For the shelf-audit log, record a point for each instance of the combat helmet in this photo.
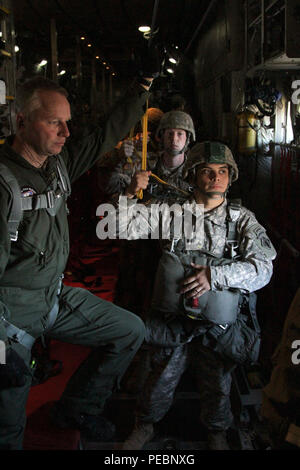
(177, 120)
(211, 152)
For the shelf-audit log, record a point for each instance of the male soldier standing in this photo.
(33, 300)
(173, 131)
(233, 259)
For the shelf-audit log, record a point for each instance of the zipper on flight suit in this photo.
(42, 258)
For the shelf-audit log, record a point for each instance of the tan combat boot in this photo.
(140, 435)
(217, 440)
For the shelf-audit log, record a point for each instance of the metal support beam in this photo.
(263, 26)
(53, 34)
(154, 14)
(93, 87)
(110, 90)
(103, 90)
(78, 63)
(203, 19)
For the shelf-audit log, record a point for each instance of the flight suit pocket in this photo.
(23, 305)
(10, 296)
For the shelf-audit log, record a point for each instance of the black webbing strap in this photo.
(46, 200)
(15, 211)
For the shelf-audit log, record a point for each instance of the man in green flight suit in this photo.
(33, 299)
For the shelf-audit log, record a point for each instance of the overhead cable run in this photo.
(154, 14)
(200, 26)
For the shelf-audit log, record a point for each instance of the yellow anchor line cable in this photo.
(169, 184)
(144, 149)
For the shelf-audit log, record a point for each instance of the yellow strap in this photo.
(145, 143)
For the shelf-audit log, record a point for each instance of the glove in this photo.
(149, 62)
(13, 373)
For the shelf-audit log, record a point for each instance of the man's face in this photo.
(174, 141)
(46, 129)
(212, 179)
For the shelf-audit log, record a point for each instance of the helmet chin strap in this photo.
(187, 142)
(174, 153)
(213, 194)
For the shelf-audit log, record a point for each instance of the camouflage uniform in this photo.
(139, 258)
(114, 175)
(175, 179)
(116, 169)
(176, 340)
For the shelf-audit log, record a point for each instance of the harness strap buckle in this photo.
(52, 315)
(224, 327)
(232, 248)
(216, 330)
(18, 335)
(14, 236)
(50, 199)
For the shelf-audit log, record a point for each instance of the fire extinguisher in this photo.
(246, 133)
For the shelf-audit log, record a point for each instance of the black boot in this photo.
(92, 427)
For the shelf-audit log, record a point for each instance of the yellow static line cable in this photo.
(169, 184)
(145, 143)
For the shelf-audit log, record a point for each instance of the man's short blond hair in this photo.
(28, 93)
